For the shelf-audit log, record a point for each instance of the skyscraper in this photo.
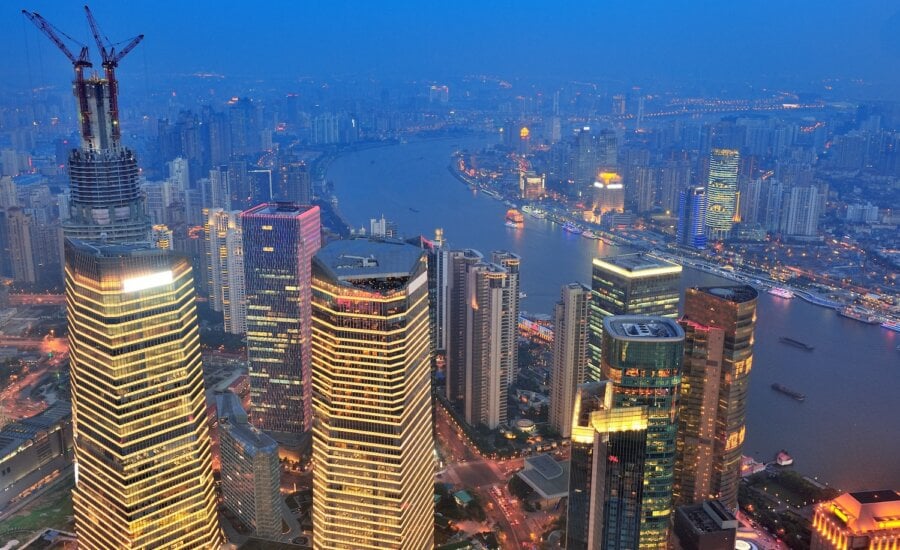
(105, 195)
(629, 284)
(570, 322)
(226, 268)
(721, 192)
(372, 439)
(864, 520)
(718, 323)
(607, 471)
(144, 470)
(250, 469)
(510, 322)
(458, 265)
(280, 240)
(691, 228)
(642, 358)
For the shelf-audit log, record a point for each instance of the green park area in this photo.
(52, 510)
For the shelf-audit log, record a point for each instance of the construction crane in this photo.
(79, 63)
(111, 59)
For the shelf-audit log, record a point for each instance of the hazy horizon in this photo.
(757, 44)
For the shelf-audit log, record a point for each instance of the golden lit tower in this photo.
(371, 360)
(721, 192)
(142, 448)
(718, 323)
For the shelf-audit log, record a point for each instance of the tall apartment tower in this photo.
(105, 201)
(372, 439)
(142, 446)
(629, 284)
(226, 268)
(458, 305)
(570, 354)
(721, 192)
(642, 358)
(511, 263)
(250, 469)
(607, 471)
(718, 324)
(691, 228)
(280, 240)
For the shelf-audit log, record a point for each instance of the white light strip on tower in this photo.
(147, 281)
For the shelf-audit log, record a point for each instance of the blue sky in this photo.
(628, 41)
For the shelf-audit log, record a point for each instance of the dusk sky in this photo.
(758, 42)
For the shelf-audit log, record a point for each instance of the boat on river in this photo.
(570, 227)
(789, 392)
(858, 314)
(796, 343)
(781, 292)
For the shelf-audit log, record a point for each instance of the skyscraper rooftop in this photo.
(357, 259)
(638, 264)
(641, 327)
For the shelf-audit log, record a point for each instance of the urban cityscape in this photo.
(519, 276)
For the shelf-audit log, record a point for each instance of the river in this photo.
(846, 433)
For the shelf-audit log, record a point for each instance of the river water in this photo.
(846, 433)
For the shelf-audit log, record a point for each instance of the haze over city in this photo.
(515, 275)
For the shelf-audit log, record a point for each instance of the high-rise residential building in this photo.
(280, 240)
(629, 284)
(584, 161)
(718, 323)
(642, 358)
(106, 203)
(803, 211)
(250, 470)
(142, 445)
(607, 471)
(570, 354)
(510, 321)
(226, 268)
(721, 192)
(459, 262)
(372, 438)
(294, 183)
(489, 354)
(19, 240)
(867, 520)
(691, 228)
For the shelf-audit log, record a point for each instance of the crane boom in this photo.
(78, 63)
(48, 30)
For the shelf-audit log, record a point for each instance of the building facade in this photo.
(225, 250)
(691, 228)
(250, 469)
(719, 325)
(629, 284)
(280, 240)
(642, 358)
(372, 439)
(607, 471)
(570, 354)
(721, 192)
(866, 520)
(142, 446)
(105, 200)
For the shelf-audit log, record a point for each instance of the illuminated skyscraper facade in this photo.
(570, 336)
(691, 228)
(718, 323)
(142, 447)
(642, 358)
(629, 284)
(226, 268)
(607, 471)
(280, 240)
(721, 192)
(372, 438)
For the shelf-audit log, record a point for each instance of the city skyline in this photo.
(263, 342)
